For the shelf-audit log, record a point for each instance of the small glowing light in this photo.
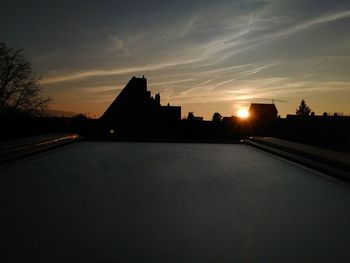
(111, 131)
(243, 113)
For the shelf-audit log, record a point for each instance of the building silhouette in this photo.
(263, 111)
(136, 103)
(262, 118)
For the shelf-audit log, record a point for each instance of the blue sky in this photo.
(203, 55)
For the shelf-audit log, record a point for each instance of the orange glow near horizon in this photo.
(243, 113)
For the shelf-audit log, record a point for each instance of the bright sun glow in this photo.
(243, 113)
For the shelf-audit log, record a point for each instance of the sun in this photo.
(243, 113)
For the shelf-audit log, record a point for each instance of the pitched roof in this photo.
(263, 107)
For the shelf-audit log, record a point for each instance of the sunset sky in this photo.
(206, 56)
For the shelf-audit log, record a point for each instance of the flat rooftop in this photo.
(158, 202)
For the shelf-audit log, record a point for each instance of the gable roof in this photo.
(263, 107)
(130, 101)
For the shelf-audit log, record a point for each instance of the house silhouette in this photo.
(262, 111)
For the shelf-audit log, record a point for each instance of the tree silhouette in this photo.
(20, 91)
(303, 109)
(217, 117)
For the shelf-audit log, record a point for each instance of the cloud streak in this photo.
(121, 71)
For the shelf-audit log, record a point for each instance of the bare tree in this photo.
(20, 90)
(303, 109)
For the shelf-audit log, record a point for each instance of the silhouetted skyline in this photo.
(207, 56)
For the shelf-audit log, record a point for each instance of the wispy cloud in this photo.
(170, 82)
(121, 71)
(205, 82)
(180, 31)
(321, 20)
(308, 24)
(257, 69)
(118, 45)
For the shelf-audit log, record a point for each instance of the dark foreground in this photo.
(112, 202)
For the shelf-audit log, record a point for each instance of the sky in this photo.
(206, 56)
